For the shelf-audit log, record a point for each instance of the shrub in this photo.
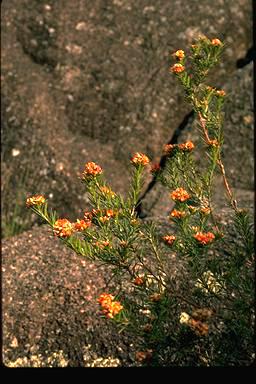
(186, 294)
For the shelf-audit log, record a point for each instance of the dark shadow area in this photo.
(174, 140)
(250, 56)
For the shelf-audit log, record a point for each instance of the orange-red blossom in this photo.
(81, 225)
(169, 239)
(221, 92)
(92, 169)
(140, 159)
(106, 215)
(62, 228)
(139, 281)
(34, 200)
(187, 146)
(176, 213)
(179, 54)
(216, 42)
(110, 307)
(204, 238)
(180, 194)
(177, 68)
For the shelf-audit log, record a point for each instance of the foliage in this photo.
(187, 294)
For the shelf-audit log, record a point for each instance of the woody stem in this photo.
(220, 164)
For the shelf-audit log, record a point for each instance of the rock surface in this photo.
(89, 81)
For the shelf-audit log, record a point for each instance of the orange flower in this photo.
(180, 194)
(140, 159)
(204, 238)
(81, 225)
(221, 92)
(92, 169)
(34, 200)
(138, 281)
(216, 42)
(177, 68)
(213, 142)
(110, 307)
(180, 54)
(169, 239)
(62, 228)
(169, 147)
(105, 300)
(104, 219)
(206, 210)
(115, 308)
(176, 213)
(108, 214)
(188, 146)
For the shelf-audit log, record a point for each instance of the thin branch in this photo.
(220, 164)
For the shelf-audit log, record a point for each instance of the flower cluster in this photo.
(177, 68)
(176, 213)
(107, 215)
(221, 92)
(180, 194)
(213, 143)
(216, 42)
(205, 210)
(110, 307)
(180, 54)
(204, 238)
(140, 159)
(187, 146)
(81, 225)
(34, 200)
(139, 281)
(169, 239)
(104, 215)
(92, 169)
(62, 228)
